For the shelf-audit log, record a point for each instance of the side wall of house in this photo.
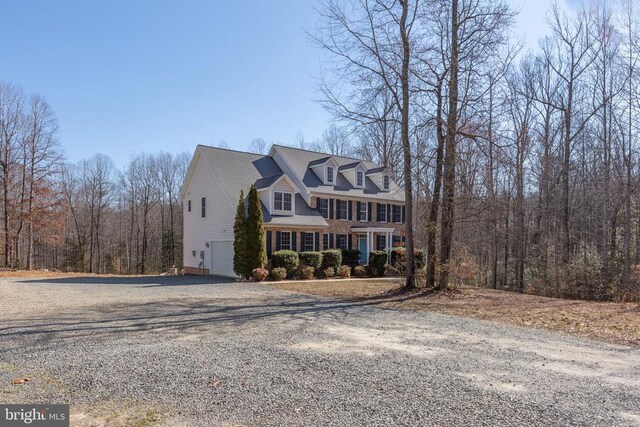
(216, 225)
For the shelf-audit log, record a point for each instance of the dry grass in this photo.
(606, 321)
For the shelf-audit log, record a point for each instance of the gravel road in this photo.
(185, 351)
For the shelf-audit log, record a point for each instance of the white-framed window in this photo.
(343, 208)
(341, 241)
(309, 243)
(285, 240)
(330, 175)
(282, 201)
(325, 241)
(382, 212)
(323, 207)
(386, 182)
(397, 213)
(359, 179)
(364, 211)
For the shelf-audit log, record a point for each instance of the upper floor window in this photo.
(282, 201)
(323, 207)
(189, 206)
(204, 207)
(386, 181)
(359, 179)
(382, 212)
(330, 175)
(342, 211)
(397, 213)
(363, 214)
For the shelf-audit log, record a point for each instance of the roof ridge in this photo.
(232, 150)
(321, 152)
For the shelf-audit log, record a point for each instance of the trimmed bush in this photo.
(331, 258)
(344, 271)
(311, 259)
(278, 273)
(306, 273)
(351, 257)
(378, 262)
(286, 259)
(259, 274)
(329, 272)
(359, 271)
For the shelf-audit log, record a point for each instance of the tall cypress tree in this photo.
(240, 254)
(256, 248)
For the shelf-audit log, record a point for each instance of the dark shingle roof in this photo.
(304, 216)
(300, 160)
(268, 181)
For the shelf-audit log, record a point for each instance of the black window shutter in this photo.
(330, 208)
(358, 211)
(294, 243)
(349, 241)
(403, 213)
(278, 240)
(318, 202)
(317, 242)
(350, 209)
(331, 240)
(369, 209)
(302, 233)
(337, 201)
(268, 243)
(389, 219)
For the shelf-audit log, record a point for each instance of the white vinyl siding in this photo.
(217, 225)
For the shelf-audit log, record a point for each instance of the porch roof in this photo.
(372, 229)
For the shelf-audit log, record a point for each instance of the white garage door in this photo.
(222, 259)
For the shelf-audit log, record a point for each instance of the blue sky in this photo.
(128, 76)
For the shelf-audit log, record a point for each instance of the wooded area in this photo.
(523, 165)
(88, 216)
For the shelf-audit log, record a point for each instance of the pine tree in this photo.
(240, 258)
(255, 239)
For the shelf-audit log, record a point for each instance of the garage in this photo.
(221, 262)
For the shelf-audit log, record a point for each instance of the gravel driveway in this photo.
(185, 351)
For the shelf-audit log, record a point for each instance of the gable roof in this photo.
(237, 170)
(300, 162)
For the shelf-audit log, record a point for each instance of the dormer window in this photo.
(359, 179)
(386, 181)
(329, 174)
(282, 201)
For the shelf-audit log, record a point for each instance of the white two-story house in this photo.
(310, 201)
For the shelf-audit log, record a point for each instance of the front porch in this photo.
(369, 239)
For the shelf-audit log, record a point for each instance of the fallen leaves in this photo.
(21, 380)
(215, 384)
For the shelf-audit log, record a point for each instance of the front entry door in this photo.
(362, 247)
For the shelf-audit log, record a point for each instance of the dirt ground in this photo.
(607, 321)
